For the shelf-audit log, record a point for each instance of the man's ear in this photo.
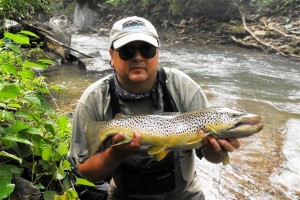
(111, 52)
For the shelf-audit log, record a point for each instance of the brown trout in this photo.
(175, 131)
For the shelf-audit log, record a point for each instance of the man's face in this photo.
(135, 63)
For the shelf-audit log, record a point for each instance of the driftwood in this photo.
(269, 47)
(247, 44)
(256, 38)
(279, 31)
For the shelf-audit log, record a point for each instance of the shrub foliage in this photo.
(34, 138)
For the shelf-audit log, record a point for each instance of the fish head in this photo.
(230, 123)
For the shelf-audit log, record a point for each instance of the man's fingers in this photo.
(137, 138)
(117, 138)
(234, 142)
(214, 143)
(204, 140)
(230, 144)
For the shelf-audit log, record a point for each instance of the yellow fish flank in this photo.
(174, 132)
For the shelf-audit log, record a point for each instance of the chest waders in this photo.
(138, 174)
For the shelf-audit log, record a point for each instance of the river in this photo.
(267, 165)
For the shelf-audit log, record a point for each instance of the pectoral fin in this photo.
(161, 155)
(155, 149)
(125, 141)
(212, 128)
(195, 140)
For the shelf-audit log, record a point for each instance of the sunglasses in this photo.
(128, 52)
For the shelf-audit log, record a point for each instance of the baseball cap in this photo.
(132, 29)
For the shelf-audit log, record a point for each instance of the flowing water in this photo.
(267, 165)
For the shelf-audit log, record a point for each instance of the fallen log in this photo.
(48, 36)
(66, 46)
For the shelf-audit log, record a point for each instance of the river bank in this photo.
(276, 31)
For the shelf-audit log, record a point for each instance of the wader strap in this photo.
(166, 96)
(115, 105)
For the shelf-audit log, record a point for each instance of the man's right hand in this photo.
(124, 150)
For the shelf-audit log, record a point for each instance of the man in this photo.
(139, 86)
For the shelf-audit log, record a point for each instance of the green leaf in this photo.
(29, 33)
(49, 127)
(9, 91)
(17, 38)
(34, 64)
(33, 98)
(6, 172)
(7, 68)
(27, 74)
(60, 174)
(7, 189)
(3, 153)
(62, 125)
(16, 127)
(72, 194)
(23, 115)
(7, 115)
(43, 90)
(14, 48)
(45, 61)
(67, 165)
(81, 181)
(34, 131)
(47, 154)
(55, 87)
(13, 105)
(49, 195)
(16, 138)
(63, 148)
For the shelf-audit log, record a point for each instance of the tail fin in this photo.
(93, 136)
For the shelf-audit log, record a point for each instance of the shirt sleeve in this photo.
(187, 95)
(93, 105)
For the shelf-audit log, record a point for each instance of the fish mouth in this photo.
(245, 126)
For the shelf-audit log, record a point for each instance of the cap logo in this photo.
(134, 25)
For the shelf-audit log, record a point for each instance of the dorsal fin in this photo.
(119, 116)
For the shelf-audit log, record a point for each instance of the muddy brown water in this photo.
(267, 165)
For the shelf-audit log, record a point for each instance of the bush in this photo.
(34, 138)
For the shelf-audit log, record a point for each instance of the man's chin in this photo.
(138, 75)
